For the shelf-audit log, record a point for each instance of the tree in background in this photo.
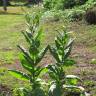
(5, 5)
(1, 2)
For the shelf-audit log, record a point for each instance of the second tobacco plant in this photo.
(60, 81)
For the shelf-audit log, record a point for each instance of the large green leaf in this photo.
(29, 35)
(54, 53)
(26, 37)
(57, 43)
(67, 52)
(52, 68)
(69, 62)
(69, 43)
(53, 72)
(28, 18)
(33, 50)
(26, 54)
(41, 54)
(19, 75)
(25, 63)
(38, 71)
(74, 87)
(73, 77)
(38, 35)
(59, 39)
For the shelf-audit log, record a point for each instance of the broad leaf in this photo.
(26, 54)
(25, 63)
(38, 71)
(38, 35)
(72, 77)
(54, 53)
(19, 74)
(41, 54)
(69, 43)
(74, 87)
(67, 52)
(57, 43)
(26, 37)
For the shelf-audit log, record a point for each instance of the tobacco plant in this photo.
(31, 57)
(61, 81)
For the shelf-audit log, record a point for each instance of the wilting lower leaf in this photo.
(72, 79)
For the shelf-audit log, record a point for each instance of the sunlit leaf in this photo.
(19, 75)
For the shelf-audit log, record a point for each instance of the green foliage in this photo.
(62, 4)
(72, 3)
(60, 81)
(30, 58)
(47, 4)
(74, 15)
(78, 12)
(53, 4)
(63, 47)
(69, 3)
(80, 2)
(72, 10)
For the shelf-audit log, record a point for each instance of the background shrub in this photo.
(62, 4)
(47, 4)
(90, 16)
(69, 3)
(80, 2)
(58, 4)
(75, 15)
(53, 4)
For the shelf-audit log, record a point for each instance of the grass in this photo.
(11, 25)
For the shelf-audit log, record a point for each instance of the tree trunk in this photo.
(5, 5)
